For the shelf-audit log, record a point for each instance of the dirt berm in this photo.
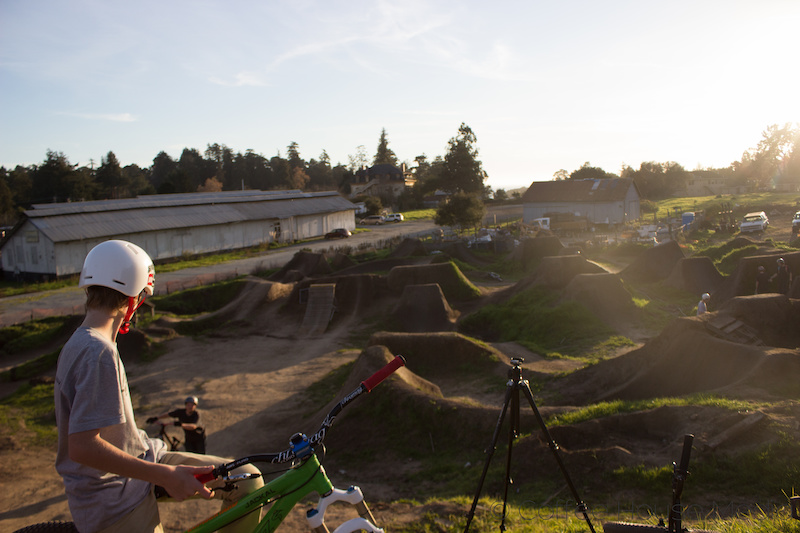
(686, 358)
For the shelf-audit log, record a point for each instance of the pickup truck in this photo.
(756, 221)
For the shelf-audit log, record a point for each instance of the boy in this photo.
(108, 465)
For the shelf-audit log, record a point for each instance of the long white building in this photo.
(52, 240)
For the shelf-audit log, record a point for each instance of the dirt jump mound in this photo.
(533, 250)
(384, 265)
(557, 271)
(407, 415)
(605, 296)
(774, 317)
(454, 285)
(696, 275)
(354, 294)
(686, 359)
(424, 308)
(654, 264)
(438, 356)
(306, 264)
(460, 251)
(254, 301)
(743, 280)
(408, 247)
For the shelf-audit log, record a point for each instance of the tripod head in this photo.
(515, 372)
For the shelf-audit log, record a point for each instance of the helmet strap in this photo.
(133, 304)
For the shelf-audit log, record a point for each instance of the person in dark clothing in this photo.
(188, 419)
(762, 281)
(783, 277)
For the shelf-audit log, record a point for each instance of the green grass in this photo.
(742, 203)
(615, 407)
(419, 214)
(29, 335)
(28, 416)
(535, 319)
(197, 300)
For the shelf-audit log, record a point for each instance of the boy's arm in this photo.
(89, 449)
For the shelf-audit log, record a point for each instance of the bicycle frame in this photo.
(285, 492)
(306, 476)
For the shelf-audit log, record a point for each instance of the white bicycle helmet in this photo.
(124, 267)
(706, 296)
(119, 265)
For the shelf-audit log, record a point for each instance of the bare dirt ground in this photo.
(251, 380)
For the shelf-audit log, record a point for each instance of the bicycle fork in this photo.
(353, 496)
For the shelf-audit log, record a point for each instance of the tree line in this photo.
(775, 161)
(219, 168)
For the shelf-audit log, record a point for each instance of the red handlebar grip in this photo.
(205, 478)
(372, 381)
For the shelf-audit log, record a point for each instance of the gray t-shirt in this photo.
(91, 392)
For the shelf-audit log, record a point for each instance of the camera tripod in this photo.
(515, 385)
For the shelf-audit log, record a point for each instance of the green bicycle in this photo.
(305, 476)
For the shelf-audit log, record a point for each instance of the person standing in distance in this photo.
(109, 466)
(762, 281)
(702, 305)
(783, 277)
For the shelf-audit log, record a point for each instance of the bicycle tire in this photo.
(55, 526)
(627, 527)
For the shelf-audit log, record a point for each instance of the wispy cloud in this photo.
(108, 117)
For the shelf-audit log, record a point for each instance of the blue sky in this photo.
(544, 85)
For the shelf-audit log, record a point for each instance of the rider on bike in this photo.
(108, 465)
(188, 419)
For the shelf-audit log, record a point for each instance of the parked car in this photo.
(373, 220)
(796, 222)
(338, 233)
(756, 221)
(394, 217)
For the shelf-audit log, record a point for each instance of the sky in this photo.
(544, 86)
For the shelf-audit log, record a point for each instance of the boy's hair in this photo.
(99, 297)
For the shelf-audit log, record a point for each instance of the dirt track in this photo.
(257, 387)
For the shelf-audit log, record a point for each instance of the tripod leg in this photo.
(554, 448)
(513, 433)
(489, 453)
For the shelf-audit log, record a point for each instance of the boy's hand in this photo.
(183, 484)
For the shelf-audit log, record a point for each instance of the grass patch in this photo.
(534, 319)
(32, 368)
(616, 407)
(198, 300)
(29, 335)
(326, 389)
(28, 415)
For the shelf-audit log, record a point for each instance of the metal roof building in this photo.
(52, 240)
(600, 201)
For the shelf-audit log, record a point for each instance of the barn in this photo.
(52, 240)
(612, 201)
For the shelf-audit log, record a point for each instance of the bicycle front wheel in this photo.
(49, 527)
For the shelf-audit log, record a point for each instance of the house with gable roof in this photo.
(382, 180)
(613, 201)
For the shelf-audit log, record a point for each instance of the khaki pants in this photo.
(145, 519)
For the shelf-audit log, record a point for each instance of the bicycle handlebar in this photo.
(301, 446)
